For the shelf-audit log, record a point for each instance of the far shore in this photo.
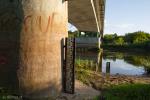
(125, 48)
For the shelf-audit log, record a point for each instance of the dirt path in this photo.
(82, 92)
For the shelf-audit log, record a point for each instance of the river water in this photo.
(126, 63)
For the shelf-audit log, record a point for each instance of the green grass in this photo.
(9, 94)
(97, 98)
(82, 75)
(128, 92)
(83, 69)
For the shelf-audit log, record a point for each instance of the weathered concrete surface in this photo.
(30, 38)
(44, 26)
(87, 15)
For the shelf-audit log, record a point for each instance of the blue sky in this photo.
(123, 16)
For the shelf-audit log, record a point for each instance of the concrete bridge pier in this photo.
(44, 26)
(33, 30)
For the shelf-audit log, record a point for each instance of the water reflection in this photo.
(126, 63)
(89, 61)
(121, 67)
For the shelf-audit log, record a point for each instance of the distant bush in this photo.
(137, 39)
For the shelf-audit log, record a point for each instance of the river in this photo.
(126, 63)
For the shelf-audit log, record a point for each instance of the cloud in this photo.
(125, 26)
(120, 28)
(122, 25)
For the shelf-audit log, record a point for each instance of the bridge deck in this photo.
(87, 15)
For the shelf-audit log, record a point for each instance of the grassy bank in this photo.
(117, 87)
(128, 92)
(9, 94)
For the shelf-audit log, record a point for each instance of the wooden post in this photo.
(108, 67)
(107, 70)
(31, 31)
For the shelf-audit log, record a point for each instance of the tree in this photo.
(119, 41)
(108, 38)
(91, 34)
(137, 37)
(140, 37)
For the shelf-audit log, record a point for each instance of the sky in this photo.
(71, 27)
(124, 16)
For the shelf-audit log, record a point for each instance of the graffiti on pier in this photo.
(32, 20)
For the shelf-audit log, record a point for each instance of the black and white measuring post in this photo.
(69, 66)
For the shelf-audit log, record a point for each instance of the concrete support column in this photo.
(44, 26)
(34, 29)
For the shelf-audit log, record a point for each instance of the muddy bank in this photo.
(102, 81)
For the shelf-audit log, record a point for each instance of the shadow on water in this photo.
(11, 21)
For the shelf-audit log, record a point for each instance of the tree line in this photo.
(134, 39)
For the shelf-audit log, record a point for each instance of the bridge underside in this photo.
(87, 15)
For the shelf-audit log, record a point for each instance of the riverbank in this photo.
(106, 83)
(91, 68)
(102, 81)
